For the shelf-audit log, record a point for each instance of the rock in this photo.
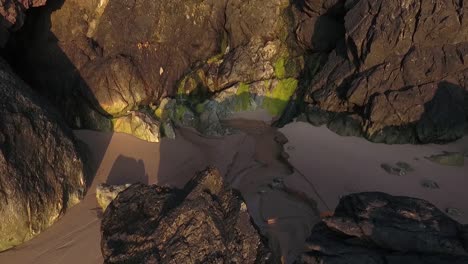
(168, 48)
(407, 85)
(203, 223)
(206, 48)
(138, 124)
(105, 193)
(380, 228)
(319, 23)
(448, 159)
(455, 212)
(168, 130)
(41, 172)
(430, 184)
(281, 139)
(12, 16)
(400, 168)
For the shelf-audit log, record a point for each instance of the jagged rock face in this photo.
(41, 173)
(380, 228)
(115, 56)
(401, 67)
(12, 16)
(119, 56)
(396, 71)
(203, 223)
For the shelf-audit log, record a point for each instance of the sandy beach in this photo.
(325, 166)
(338, 166)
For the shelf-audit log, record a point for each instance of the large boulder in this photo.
(400, 70)
(206, 222)
(41, 173)
(379, 228)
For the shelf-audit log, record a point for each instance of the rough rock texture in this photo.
(400, 68)
(396, 71)
(119, 56)
(383, 229)
(12, 16)
(141, 125)
(41, 173)
(203, 223)
(105, 193)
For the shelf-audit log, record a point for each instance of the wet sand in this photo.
(337, 166)
(281, 199)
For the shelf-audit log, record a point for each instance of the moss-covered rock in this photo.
(448, 159)
(276, 100)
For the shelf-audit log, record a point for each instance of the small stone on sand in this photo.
(453, 212)
(429, 184)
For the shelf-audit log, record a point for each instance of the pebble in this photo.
(453, 211)
(429, 184)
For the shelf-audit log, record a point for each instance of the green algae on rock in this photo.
(276, 100)
(242, 98)
(448, 159)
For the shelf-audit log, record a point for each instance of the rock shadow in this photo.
(127, 170)
(328, 34)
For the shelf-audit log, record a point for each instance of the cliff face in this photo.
(399, 73)
(119, 57)
(41, 172)
(392, 72)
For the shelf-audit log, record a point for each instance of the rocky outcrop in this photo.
(141, 125)
(395, 71)
(206, 222)
(115, 57)
(41, 173)
(399, 71)
(383, 229)
(12, 16)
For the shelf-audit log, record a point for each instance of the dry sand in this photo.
(326, 166)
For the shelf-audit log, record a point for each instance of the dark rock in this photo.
(12, 16)
(430, 184)
(203, 223)
(401, 68)
(41, 173)
(346, 125)
(380, 228)
(400, 168)
(319, 23)
(455, 212)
